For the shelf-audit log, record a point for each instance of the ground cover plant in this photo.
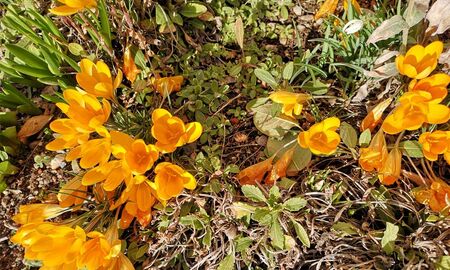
(224, 134)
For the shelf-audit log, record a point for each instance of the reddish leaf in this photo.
(255, 173)
(33, 125)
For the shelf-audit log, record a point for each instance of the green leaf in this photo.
(316, 87)
(286, 183)
(266, 77)
(389, 237)
(344, 228)
(242, 243)
(294, 204)
(8, 119)
(443, 263)
(274, 195)
(193, 10)
(288, 71)
(253, 193)
(348, 135)
(104, 22)
(263, 216)
(411, 148)
(33, 72)
(365, 138)
(276, 234)
(6, 168)
(227, 263)
(270, 125)
(75, 49)
(241, 209)
(192, 221)
(302, 234)
(206, 241)
(161, 16)
(3, 185)
(27, 57)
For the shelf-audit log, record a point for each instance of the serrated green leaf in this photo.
(241, 209)
(266, 77)
(294, 204)
(302, 234)
(243, 243)
(253, 193)
(263, 216)
(227, 263)
(348, 135)
(274, 194)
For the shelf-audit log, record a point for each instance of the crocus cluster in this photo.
(417, 108)
(60, 246)
(116, 169)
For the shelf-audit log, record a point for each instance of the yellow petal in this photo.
(64, 10)
(438, 114)
(193, 131)
(159, 114)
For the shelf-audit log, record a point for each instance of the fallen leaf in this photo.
(255, 173)
(239, 31)
(416, 11)
(387, 29)
(129, 66)
(373, 118)
(166, 85)
(439, 17)
(32, 126)
(280, 167)
(327, 8)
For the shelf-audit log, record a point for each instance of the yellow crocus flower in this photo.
(419, 61)
(292, 102)
(170, 180)
(96, 79)
(321, 138)
(434, 88)
(171, 132)
(56, 246)
(413, 111)
(435, 143)
(37, 212)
